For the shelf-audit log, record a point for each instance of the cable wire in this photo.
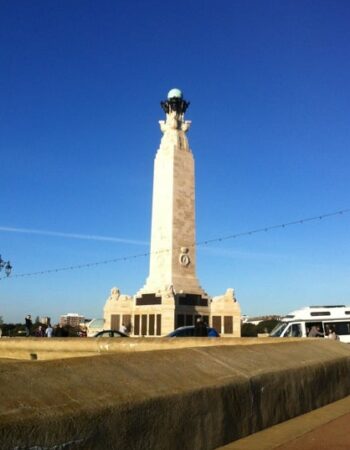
(205, 242)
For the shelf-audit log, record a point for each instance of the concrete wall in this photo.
(188, 398)
(58, 348)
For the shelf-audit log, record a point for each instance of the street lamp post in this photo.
(6, 265)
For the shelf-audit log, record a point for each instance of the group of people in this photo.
(40, 331)
(48, 331)
(315, 331)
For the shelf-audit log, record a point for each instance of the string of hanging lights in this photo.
(197, 244)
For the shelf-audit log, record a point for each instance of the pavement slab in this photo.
(324, 428)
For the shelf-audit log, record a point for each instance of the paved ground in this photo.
(325, 428)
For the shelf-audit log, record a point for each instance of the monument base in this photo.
(159, 313)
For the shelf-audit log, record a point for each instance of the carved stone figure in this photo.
(115, 293)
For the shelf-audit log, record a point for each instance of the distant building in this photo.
(45, 320)
(258, 319)
(71, 319)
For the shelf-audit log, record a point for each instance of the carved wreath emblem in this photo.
(184, 258)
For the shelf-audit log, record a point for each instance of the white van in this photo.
(95, 326)
(298, 323)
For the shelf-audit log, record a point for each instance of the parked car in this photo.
(188, 331)
(110, 334)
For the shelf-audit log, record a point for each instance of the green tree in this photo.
(266, 326)
(18, 330)
(248, 330)
(72, 331)
(10, 329)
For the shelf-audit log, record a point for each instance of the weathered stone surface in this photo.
(193, 398)
(58, 348)
(173, 255)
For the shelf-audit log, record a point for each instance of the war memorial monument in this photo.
(172, 296)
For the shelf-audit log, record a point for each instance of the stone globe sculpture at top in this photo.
(174, 93)
(175, 102)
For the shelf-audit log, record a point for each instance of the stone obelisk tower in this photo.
(172, 296)
(173, 252)
(172, 280)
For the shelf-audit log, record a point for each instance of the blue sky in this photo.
(80, 86)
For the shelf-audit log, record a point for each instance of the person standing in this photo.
(49, 331)
(315, 331)
(332, 334)
(39, 332)
(123, 329)
(200, 329)
(28, 325)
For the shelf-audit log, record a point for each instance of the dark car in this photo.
(110, 334)
(189, 332)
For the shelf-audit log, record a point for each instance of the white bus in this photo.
(298, 323)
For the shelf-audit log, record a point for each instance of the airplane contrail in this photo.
(91, 237)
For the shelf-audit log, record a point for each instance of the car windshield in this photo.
(278, 330)
(96, 323)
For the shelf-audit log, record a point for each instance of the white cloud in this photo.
(73, 235)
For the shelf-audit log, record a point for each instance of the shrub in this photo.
(248, 330)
